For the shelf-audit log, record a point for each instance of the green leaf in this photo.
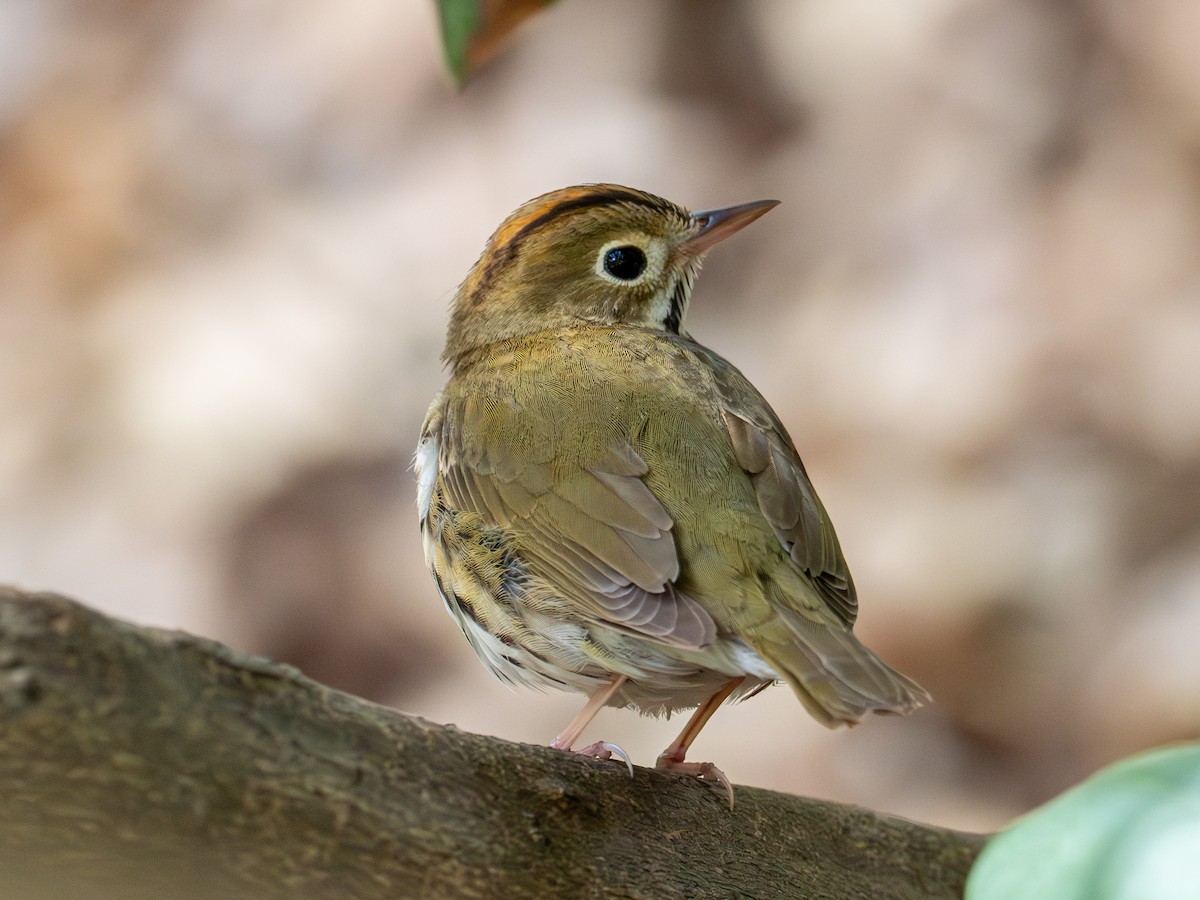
(1130, 832)
(473, 30)
(459, 20)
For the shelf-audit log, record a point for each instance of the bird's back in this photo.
(753, 548)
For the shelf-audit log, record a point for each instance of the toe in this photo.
(607, 750)
(704, 771)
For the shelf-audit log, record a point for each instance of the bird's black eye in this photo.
(625, 263)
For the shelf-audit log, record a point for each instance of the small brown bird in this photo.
(611, 508)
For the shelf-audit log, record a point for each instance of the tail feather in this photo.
(838, 679)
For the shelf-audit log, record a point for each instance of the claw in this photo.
(704, 771)
(607, 750)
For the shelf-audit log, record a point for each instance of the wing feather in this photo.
(594, 534)
(791, 506)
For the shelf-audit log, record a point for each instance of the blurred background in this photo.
(230, 233)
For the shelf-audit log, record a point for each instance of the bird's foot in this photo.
(704, 771)
(600, 750)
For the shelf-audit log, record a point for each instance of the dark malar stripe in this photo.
(674, 318)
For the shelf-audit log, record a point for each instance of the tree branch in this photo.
(137, 763)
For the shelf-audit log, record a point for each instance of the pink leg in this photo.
(595, 703)
(600, 749)
(672, 759)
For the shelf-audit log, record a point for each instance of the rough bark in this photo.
(137, 763)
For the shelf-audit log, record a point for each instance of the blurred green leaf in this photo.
(1130, 832)
(459, 18)
(473, 30)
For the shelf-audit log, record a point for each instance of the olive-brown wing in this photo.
(594, 539)
(786, 497)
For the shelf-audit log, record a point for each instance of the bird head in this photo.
(599, 253)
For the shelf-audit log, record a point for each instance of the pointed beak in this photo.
(718, 224)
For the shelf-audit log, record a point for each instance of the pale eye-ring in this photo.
(624, 263)
(631, 260)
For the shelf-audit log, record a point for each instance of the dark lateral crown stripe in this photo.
(598, 198)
